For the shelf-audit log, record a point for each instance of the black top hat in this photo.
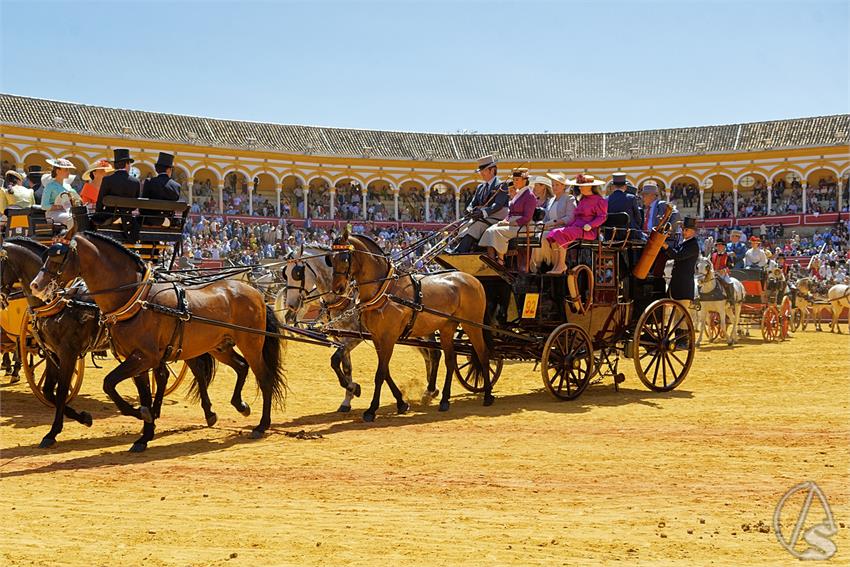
(619, 178)
(165, 160)
(122, 154)
(34, 170)
(720, 241)
(690, 222)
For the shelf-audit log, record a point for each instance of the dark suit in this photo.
(685, 257)
(622, 202)
(160, 187)
(120, 184)
(658, 212)
(492, 200)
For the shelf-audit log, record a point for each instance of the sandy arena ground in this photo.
(686, 478)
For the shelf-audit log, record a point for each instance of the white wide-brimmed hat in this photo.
(583, 180)
(61, 163)
(100, 164)
(559, 177)
(17, 174)
(543, 180)
(486, 161)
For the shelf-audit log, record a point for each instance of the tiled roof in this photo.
(98, 120)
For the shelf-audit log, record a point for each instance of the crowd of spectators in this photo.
(832, 241)
(786, 199)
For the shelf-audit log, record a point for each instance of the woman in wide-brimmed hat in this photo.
(93, 177)
(55, 190)
(14, 195)
(590, 213)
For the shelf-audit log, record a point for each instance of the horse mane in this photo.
(109, 240)
(33, 246)
(375, 248)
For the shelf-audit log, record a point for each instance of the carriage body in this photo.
(766, 303)
(580, 323)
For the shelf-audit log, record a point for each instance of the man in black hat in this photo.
(120, 184)
(621, 202)
(489, 205)
(34, 174)
(685, 256)
(161, 187)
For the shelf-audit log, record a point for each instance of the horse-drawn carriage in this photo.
(148, 227)
(767, 302)
(580, 323)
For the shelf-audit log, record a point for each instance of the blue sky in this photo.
(437, 66)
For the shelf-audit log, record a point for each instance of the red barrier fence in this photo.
(823, 219)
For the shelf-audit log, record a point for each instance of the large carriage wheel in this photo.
(770, 324)
(176, 373)
(34, 364)
(471, 379)
(785, 315)
(663, 345)
(797, 319)
(567, 362)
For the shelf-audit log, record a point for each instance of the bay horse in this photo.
(308, 283)
(69, 329)
(457, 295)
(151, 322)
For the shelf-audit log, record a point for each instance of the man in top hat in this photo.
(161, 187)
(120, 184)
(621, 202)
(654, 208)
(34, 174)
(737, 249)
(489, 205)
(685, 256)
(755, 256)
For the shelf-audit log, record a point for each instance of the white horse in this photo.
(308, 282)
(839, 299)
(713, 300)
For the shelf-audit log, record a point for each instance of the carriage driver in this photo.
(721, 263)
(489, 205)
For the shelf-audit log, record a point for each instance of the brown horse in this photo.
(145, 335)
(457, 295)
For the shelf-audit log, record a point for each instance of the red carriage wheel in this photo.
(714, 330)
(770, 324)
(785, 315)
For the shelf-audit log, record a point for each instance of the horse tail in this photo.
(203, 370)
(274, 377)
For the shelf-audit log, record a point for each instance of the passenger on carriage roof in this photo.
(93, 177)
(161, 187)
(621, 202)
(589, 215)
(489, 205)
(120, 184)
(58, 185)
(560, 211)
(520, 212)
(14, 195)
(654, 208)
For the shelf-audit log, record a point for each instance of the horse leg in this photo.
(380, 375)
(265, 358)
(202, 370)
(143, 385)
(60, 377)
(447, 334)
(432, 366)
(341, 365)
(479, 346)
(701, 323)
(401, 405)
(130, 368)
(835, 327)
(722, 313)
(234, 360)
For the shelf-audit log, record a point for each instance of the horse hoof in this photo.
(403, 407)
(257, 434)
(146, 414)
(15, 379)
(138, 447)
(86, 418)
(444, 406)
(343, 409)
(356, 389)
(488, 400)
(368, 416)
(46, 443)
(245, 409)
(212, 418)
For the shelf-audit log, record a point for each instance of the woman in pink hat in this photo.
(590, 213)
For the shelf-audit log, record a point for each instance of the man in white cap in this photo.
(489, 205)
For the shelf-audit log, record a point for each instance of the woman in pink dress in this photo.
(590, 213)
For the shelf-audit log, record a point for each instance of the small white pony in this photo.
(713, 300)
(839, 298)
